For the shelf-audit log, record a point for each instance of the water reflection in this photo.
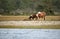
(29, 33)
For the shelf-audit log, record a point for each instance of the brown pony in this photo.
(41, 15)
(33, 16)
(38, 16)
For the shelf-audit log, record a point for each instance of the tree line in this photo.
(27, 7)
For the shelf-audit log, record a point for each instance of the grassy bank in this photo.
(33, 27)
(19, 18)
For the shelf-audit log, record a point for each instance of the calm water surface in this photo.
(29, 33)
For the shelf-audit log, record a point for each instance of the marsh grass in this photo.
(33, 27)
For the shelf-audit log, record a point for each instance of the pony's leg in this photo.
(36, 18)
(32, 18)
(44, 17)
(39, 17)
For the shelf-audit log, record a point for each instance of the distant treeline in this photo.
(27, 7)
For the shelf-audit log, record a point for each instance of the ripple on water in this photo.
(29, 33)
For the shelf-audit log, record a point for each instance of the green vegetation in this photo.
(33, 27)
(27, 7)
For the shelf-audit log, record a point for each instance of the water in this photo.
(29, 33)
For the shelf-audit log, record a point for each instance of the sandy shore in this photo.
(29, 23)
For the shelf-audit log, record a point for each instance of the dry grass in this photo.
(34, 27)
(11, 18)
(19, 18)
(53, 18)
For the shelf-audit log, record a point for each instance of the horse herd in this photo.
(37, 16)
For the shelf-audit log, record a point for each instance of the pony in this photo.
(37, 16)
(33, 16)
(41, 15)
